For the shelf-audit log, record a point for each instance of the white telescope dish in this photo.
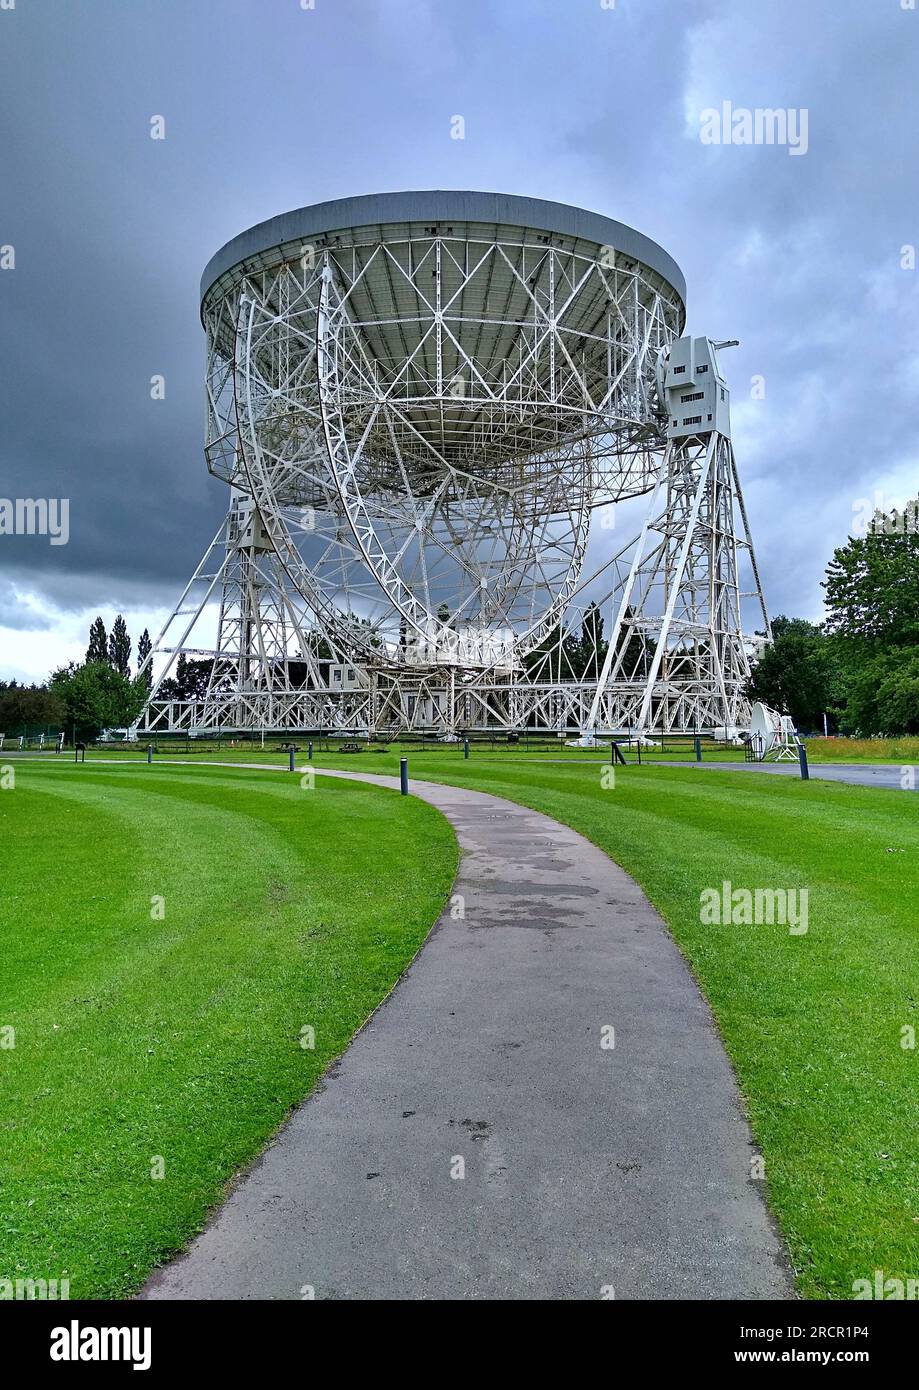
(765, 725)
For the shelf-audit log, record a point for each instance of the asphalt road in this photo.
(585, 1168)
(858, 774)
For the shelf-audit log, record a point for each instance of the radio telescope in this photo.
(420, 402)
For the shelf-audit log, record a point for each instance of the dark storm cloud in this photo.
(269, 107)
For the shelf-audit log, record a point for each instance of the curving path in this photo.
(585, 1167)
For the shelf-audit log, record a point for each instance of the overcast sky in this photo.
(270, 106)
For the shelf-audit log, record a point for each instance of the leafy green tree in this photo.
(98, 643)
(872, 597)
(898, 693)
(872, 586)
(97, 697)
(882, 693)
(119, 648)
(555, 658)
(144, 648)
(189, 682)
(25, 706)
(639, 652)
(797, 673)
(591, 648)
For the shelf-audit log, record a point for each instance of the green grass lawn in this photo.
(903, 750)
(167, 935)
(813, 1023)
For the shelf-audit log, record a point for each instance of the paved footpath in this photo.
(585, 1167)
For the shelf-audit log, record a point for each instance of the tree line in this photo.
(860, 667)
(86, 697)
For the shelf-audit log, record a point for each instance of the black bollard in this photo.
(309, 750)
(802, 760)
(403, 776)
(698, 743)
(291, 753)
(465, 748)
(149, 752)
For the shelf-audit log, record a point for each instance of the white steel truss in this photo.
(418, 426)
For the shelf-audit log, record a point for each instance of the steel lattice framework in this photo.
(420, 403)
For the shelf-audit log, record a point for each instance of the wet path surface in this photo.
(583, 1166)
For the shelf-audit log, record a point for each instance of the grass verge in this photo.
(168, 933)
(816, 1025)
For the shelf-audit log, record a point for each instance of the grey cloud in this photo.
(18, 613)
(269, 107)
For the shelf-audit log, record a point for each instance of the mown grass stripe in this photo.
(138, 1037)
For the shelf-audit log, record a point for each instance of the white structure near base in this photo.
(773, 736)
(421, 403)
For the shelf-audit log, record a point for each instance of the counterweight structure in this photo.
(427, 408)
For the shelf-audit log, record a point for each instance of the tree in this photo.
(872, 597)
(639, 652)
(24, 706)
(97, 650)
(119, 648)
(898, 693)
(555, 659)
(190, 681)
(96, 697)
(144, 648)
(882, 694)
(591, 648)
(797, 672)
(872, 586)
